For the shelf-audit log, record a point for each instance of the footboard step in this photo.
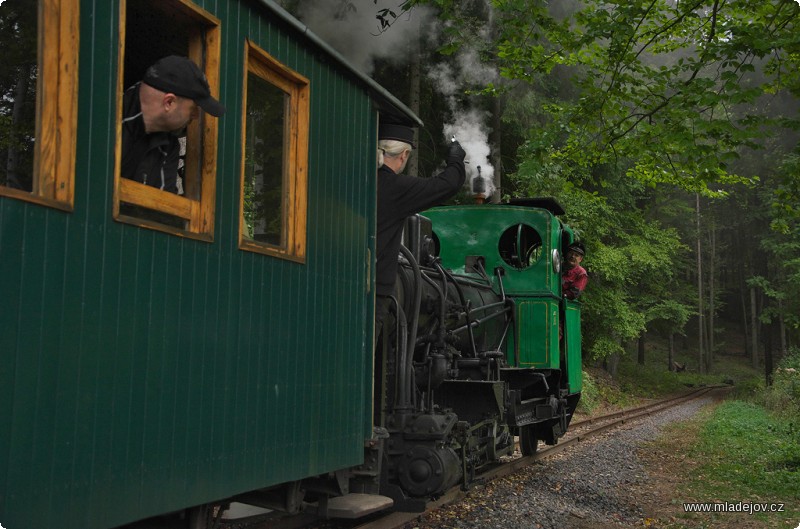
(357, 505)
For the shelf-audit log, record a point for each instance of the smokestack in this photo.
(479, 187)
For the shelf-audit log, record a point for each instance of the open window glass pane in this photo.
(18, 73)
(265, 167)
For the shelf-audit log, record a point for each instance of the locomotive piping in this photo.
(412, 338)
(505, 331)
(464, 304)
(442, 312)
(499, 273)
(400, 398)
(475, 323)
(489, 306)
(442, 329)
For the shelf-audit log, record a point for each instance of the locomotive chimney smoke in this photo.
(353, 30)
(453, 81)
(474, 138)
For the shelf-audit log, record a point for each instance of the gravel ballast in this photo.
(581, 487)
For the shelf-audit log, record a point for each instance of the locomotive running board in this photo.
(353, 505)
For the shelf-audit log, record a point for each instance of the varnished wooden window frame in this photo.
(295, 178)
(196, 206)
(56, 107)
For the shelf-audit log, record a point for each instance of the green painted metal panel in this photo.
(537, 333)
(532, 278)
(572, 336)
(477, 230)
(143, 372)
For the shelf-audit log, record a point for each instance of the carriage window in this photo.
(520, 246)
(165, 177)
(274, 169)
(38, 107)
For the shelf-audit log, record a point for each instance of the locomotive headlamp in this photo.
(556, 261)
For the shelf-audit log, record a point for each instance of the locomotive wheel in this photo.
(528, 443)
(427, 470)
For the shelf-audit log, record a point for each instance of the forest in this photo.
(667, 129)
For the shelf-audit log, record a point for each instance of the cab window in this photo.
(520, 246)
(38, 107)
(149, 31)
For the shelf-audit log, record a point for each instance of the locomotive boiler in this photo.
(482, 346)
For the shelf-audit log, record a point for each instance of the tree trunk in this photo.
(671, 356)
(768, 354)
(495, 142)
(414, 88)
(782, 330)
(745, 323)
(613, 364)
(641, 349)
(700, 320)
(711, 301)
(753, 329)
(496, 132)
(14, 178)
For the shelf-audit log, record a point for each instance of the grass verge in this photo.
(744, 455)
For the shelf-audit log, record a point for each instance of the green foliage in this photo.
(630, 260)
(750, 389)
(666, 91)
(782, 246)
(612, 106)
(786, 196)
(749, 454)
(664, 79)
(590, 395)
(596, 393)
(655, 381)
(783, 396)
(669, 315)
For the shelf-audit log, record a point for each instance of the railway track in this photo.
(580, 430)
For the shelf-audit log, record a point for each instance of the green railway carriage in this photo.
(162, 351)
(165, 354)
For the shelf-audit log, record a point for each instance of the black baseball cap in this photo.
(180, 76)
(577, 247)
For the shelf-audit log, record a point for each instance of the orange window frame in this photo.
(197, 205)
(56, 107)
(295, 178)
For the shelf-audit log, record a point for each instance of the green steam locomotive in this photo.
(484, 347)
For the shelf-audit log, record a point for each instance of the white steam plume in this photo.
(356, 33)
(468, 126)
(470, 131)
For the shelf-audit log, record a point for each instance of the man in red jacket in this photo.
(574, 279)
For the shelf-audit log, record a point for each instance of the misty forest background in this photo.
(668, 129)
